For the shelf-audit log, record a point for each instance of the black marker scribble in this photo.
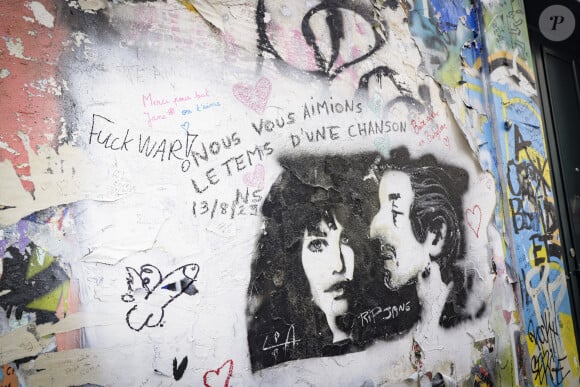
(334, 13)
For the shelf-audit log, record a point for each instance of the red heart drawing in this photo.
(507, 315)
(217, 382)
(254, 97)
(256, 178)
(474, 218)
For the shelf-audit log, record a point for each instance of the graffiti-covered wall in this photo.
(264, 193)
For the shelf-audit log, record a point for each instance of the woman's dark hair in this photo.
(310, 189)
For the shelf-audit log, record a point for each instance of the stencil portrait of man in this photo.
(420, 228)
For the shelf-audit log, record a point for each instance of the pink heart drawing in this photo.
(474, 218)
(507, 315)
(255, 178)
(254, 97)
(212, 378)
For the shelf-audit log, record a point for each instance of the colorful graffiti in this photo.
(8, 377)
(502, 103)
(528, 209)
(538, 256)
(365, 184)
(32, 281)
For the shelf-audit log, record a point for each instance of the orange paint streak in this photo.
(188, 5)
(10, 378)
(71, 339)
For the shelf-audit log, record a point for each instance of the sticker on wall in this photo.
(557, 23)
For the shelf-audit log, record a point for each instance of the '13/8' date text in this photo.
(244, 204)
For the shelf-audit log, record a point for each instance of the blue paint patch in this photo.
(474, 96)
(471, 19)
(3, 247)
(449, 11)
(427, 31)
(471, 52)
(530, 214)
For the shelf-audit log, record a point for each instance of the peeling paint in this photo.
(80, 38)
(15, 47)
(43, 17)
(209, 12)
(92, 5)
(73, 4)
(44, 86)
(20, 343)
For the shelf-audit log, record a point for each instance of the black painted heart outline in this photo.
(335, 23)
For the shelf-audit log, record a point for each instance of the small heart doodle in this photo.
(178, 370)
(474, 219)
(254, 97)
(185, 126)
(219, 377)
(256, 178)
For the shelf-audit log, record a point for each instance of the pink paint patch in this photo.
(361, 28)
(231, 46)
(69, 305)
(292, 47)
(255, 97)
(294, 50)
(507, 315)
(339, 61)
(256, 178)
(33, 112)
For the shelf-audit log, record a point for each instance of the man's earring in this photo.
(426, 271)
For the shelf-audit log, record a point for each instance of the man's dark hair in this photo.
(438, 192)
